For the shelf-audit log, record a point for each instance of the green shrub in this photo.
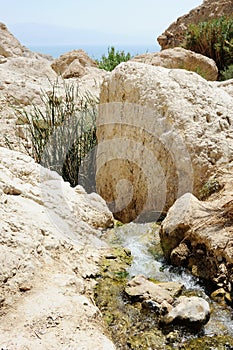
(113, 58)
(214, 39)
(62, 130)
(227, 73)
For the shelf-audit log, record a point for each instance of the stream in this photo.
(142, 240)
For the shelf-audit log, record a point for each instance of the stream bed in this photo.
(136, 251)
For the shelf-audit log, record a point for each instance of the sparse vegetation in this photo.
(214, 39)
(227, 73)
(113, 58)
(62, 130)
(211, 186)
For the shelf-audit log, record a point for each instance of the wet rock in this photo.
(142, 289)
(189, 311)
(221, 296)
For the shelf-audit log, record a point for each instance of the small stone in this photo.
(25, 287)
(11, 190)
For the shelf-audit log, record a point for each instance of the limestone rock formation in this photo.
(161, 133)
(73, 64)
(174, 35)
(49, 254)
(198, 235)
(182, 59)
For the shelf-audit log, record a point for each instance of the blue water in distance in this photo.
(93, 51)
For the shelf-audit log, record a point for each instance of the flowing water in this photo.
(143, 242)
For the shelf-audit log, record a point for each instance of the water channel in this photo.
(142, 240)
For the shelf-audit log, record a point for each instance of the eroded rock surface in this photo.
(49, 254)
(161, 133)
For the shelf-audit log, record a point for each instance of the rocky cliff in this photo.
(174, 35)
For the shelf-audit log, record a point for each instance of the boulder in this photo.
(161, 133)
(192, 312)
(49, 251)
(174, 35)
(198, 235)
(72, 64)
(182, 59)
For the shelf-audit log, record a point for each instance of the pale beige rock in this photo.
(189, 311)
(198, 234)
(73, 64)
(174, 34)
(143, 289)
(161, 133)
(182, 59)
(49, 251)
(226, 85)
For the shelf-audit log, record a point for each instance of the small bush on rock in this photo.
(113, 58)
(214, 39)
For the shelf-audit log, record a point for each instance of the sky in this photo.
(65, 22)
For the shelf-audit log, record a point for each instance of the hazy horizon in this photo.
(105, 22)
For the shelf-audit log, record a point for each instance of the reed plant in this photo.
(62, 130)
